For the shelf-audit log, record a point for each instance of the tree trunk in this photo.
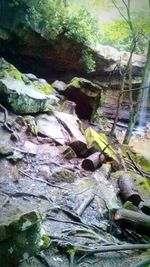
(120, 98)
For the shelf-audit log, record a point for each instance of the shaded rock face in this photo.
(29, 48)
(85, 94)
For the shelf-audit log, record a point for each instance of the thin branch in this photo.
(122, 15)
(42, 181)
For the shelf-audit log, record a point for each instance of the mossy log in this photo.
(133, 220)
(93, 161)
(127, 190)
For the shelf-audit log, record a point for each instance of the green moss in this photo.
(75, 82)
(143, 162)
(46, 242)
(14, 73)
(63, 176)
(129, 206)
(8, 70)
(47, 89)
(100, 142)
(139, 159)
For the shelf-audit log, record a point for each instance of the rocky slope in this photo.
(57, 192)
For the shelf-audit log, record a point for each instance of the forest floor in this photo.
(47, 181)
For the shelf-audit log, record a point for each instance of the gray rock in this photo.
(31, 76)
(44, 171)
(59, 85)
(50, 127)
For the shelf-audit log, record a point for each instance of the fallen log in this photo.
(128, 191)
(133, 220)
(93, 161)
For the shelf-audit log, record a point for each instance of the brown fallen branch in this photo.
(85, 204)
(42, 181)
(5, 125)
(93, 161)
(127, 190)
(133, 219)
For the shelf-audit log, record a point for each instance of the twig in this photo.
(135, 165)
(23, 151)
(24, 194)
(85, 204)
(102, 152)
(5, 125)
(63, 221)
(42, 181)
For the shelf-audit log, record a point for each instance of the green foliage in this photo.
(119, 35)
(81, 27)
(88, 60)
(55, 19)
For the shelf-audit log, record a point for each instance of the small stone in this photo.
(5, 149)
(59, 86)
(44, 171)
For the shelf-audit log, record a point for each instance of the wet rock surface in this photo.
(45, 181)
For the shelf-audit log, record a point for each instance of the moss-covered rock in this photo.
(21, 94)
(20, 237)
(44, 87)
(85, 94)
(62, 175)
(98, 142)
(5, 149)
(7, 70)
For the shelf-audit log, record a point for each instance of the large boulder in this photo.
(85, 94)
(22, 94)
